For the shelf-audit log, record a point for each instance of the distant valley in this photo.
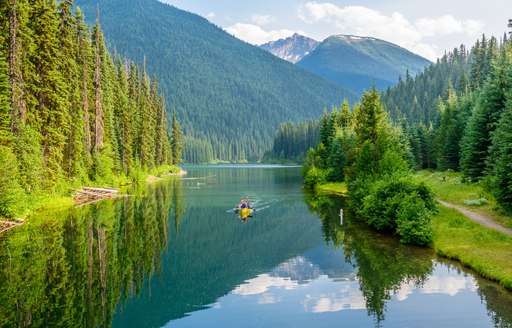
(230, 96)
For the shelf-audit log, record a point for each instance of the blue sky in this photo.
(424, 27)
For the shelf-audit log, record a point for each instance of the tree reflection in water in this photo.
(72, 269)
(384, 265)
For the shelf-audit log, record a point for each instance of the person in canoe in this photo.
(244, 204)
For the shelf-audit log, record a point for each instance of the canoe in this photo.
(244, 212)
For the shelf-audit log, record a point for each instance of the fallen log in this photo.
(88, 195)
(102, 190)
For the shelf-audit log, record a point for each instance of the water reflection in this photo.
(71, 269)
(174, 255)
(388, 271)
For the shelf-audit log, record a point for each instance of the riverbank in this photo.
(483, 249)
(46, 201)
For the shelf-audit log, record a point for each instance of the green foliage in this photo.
(502, 173)
(374, 158)
(401, 206)
(463, 100)
(226, 93)
(5, 115)
(414, 220)
(314, 176)
(12, 196)
(176, 141)
(484, 119)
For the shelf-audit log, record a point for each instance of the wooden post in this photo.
(341, 216)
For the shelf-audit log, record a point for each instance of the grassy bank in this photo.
(448, 186)
(334, 188)
(43, 200)
(486, 251)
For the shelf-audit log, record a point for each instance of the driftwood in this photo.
(88, 195)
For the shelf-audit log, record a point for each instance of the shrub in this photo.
(414, 221)
(398, 206)
(313, 177)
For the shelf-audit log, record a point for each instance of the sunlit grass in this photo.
(485, 250)
(449, 186)
(333, 187)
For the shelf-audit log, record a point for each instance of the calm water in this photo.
(176, 255)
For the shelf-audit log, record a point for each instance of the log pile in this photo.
(88, 195)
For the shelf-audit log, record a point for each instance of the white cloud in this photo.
(438, 284)
(349, 297)
(262, 283)
(255, 34)
(211, 15)
(448, 25)
(263, 19)
(395, 28)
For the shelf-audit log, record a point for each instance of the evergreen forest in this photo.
(70, 112)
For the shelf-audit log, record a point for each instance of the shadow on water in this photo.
(384, 265)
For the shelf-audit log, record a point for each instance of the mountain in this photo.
(229, 96)
(357, 62)
(292, 49)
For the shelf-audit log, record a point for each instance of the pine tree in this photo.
(176, 140)
(5, 114)
(99, 129)
(125, 125)
(502, 142)
(491, 103)
(371, 118)
(52, 116)
(21, 69)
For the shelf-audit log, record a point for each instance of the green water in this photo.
(175, 254)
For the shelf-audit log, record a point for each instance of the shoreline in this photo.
(63, 202)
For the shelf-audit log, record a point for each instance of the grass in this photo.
(486, 251)
(448, 186)
(61, 199)
(333, 187)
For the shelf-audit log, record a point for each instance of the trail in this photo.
(479, 218)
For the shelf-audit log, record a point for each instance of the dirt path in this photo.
(479, 218)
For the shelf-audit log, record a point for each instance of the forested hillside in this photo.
(358, 62)
(70, 114)
(229, 96)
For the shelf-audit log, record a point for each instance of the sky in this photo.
(427, 27)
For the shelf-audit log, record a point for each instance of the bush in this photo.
(398, 206)
(313, 177)
(414, 221)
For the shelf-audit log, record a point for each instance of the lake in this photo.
(176, 254)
